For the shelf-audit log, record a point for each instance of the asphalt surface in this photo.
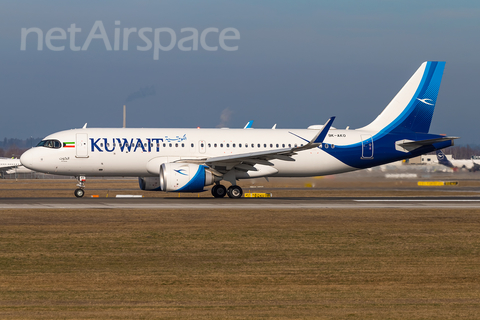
(240, 204)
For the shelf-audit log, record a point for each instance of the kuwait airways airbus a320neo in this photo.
(188, 160)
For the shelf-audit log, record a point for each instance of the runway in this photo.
(240, 204)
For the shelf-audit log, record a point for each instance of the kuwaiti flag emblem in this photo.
(69, 144)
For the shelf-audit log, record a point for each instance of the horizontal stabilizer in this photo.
(409, 145)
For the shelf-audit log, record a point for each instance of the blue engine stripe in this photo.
(195, 184)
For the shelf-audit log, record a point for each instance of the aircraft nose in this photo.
(28, 159)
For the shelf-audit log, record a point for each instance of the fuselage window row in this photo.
(56, 144)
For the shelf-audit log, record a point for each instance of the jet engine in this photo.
(184, 177)
(149, 183)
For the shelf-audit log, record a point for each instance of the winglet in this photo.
(248, 125)
(318, 139)
(323, 133)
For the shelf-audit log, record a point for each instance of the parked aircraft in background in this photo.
(12, 165)
(7, 163)
(472, 164)
(187, 160)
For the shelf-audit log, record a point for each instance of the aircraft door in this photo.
(202, 146)
(81, 145)
(367, 147)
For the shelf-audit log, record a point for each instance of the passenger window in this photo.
(258, 145)
(192, 145)
(170, 145)
(221, 145)
(214, 145)
(253, 146)
(271, 145)
(183, 145)
(283, 145)
(239, 145)
(277, 145)
(233, 145)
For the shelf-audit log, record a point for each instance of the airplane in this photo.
(8, 163)
(469, 164)
(19, 169)
(248, 125)
(188, 160)
(12, 165)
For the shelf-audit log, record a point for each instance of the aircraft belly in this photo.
(310, 164)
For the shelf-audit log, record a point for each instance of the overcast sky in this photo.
(296, 63)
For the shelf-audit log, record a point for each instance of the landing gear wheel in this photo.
(79, 193)
(219, 191)
(235, 192)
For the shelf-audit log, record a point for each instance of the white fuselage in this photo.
(140, 152)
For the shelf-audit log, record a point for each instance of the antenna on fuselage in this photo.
(124, 116)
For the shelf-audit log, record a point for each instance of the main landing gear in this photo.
(233, 192)
(80, 192)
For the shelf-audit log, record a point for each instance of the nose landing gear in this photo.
(80, 192)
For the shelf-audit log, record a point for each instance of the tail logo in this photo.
(425, 101)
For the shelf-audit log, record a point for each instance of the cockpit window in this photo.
(54, 144)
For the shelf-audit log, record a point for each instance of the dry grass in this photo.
(286, 264)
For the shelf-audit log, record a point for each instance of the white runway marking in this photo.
(239, 204)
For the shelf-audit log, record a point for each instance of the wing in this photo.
(246, 161)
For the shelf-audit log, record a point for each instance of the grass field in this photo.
(239, 264)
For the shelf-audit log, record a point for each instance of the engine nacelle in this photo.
(149, 183)
(184, 177)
